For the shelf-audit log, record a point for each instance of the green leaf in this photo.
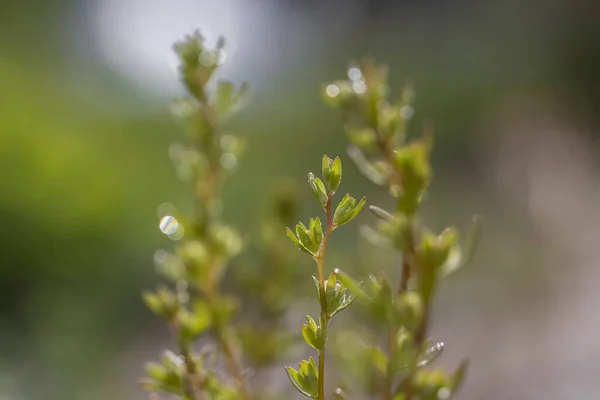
(192, 324)
(163, 379)
(350, 283)
(381, 213)
(298, 382)
(367, 168)
(378, 359)
(406, 350)
(163, 302)
(318, 189)
(326, 164)
(306, 379)
(358, 207)
(295, 240)
(458, 377)
(347, 210)
(459, 257)
(335, 175)
(344, 209)
(317, 230)
(374, 237)
(338, 297)
(224, 96)
(312, 334)
(409, 310)
(306, 239)
(317, 287)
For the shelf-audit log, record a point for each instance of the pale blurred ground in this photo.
(512, 86)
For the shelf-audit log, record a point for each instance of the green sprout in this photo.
(332, 293)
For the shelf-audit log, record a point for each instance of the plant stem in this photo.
(324, 319)
(407, 259)
(191, 388)
(207, 192)
(234, 365)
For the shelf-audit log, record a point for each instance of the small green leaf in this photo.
(378, 359)
(306, 379)
(317, 230)
(367, 168)
(343, 212)
(312, 334)
(459, 257)
(374, 237)
(292, 237)
(295, 240)
(358, 207)
(163, 302)
(409, 310)
(318, 189)
(338, 297)
(297, 382)
(458, 376)
(350, 283)
(335, 175)
(306, 239)
(406, 350)
(317, 287)
(347, 210)
(326, 164)
(381, 213)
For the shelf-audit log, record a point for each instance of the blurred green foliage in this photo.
(83, 163)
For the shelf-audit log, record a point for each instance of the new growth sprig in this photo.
(333, 295)
(196, 305)
(376, 129)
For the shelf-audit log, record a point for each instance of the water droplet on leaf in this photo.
(332, 90)
(178, 234)
(228, 161)
(359, 87)
(168, 225)
(354, 74)
(407, 112)
(430, 354)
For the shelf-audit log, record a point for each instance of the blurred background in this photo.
(513, 88)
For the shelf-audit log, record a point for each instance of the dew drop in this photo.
(207, 59)
(228, 143)
(332, 90)
(443, 393)
(228, 161)
(221, 57)
(430, 354)
(354, 74)
(407, 112)
(181, 286)
(178, 234)
(168, 225)
(184, 172)
(176, 150)
(160, 256)
(359, 87)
